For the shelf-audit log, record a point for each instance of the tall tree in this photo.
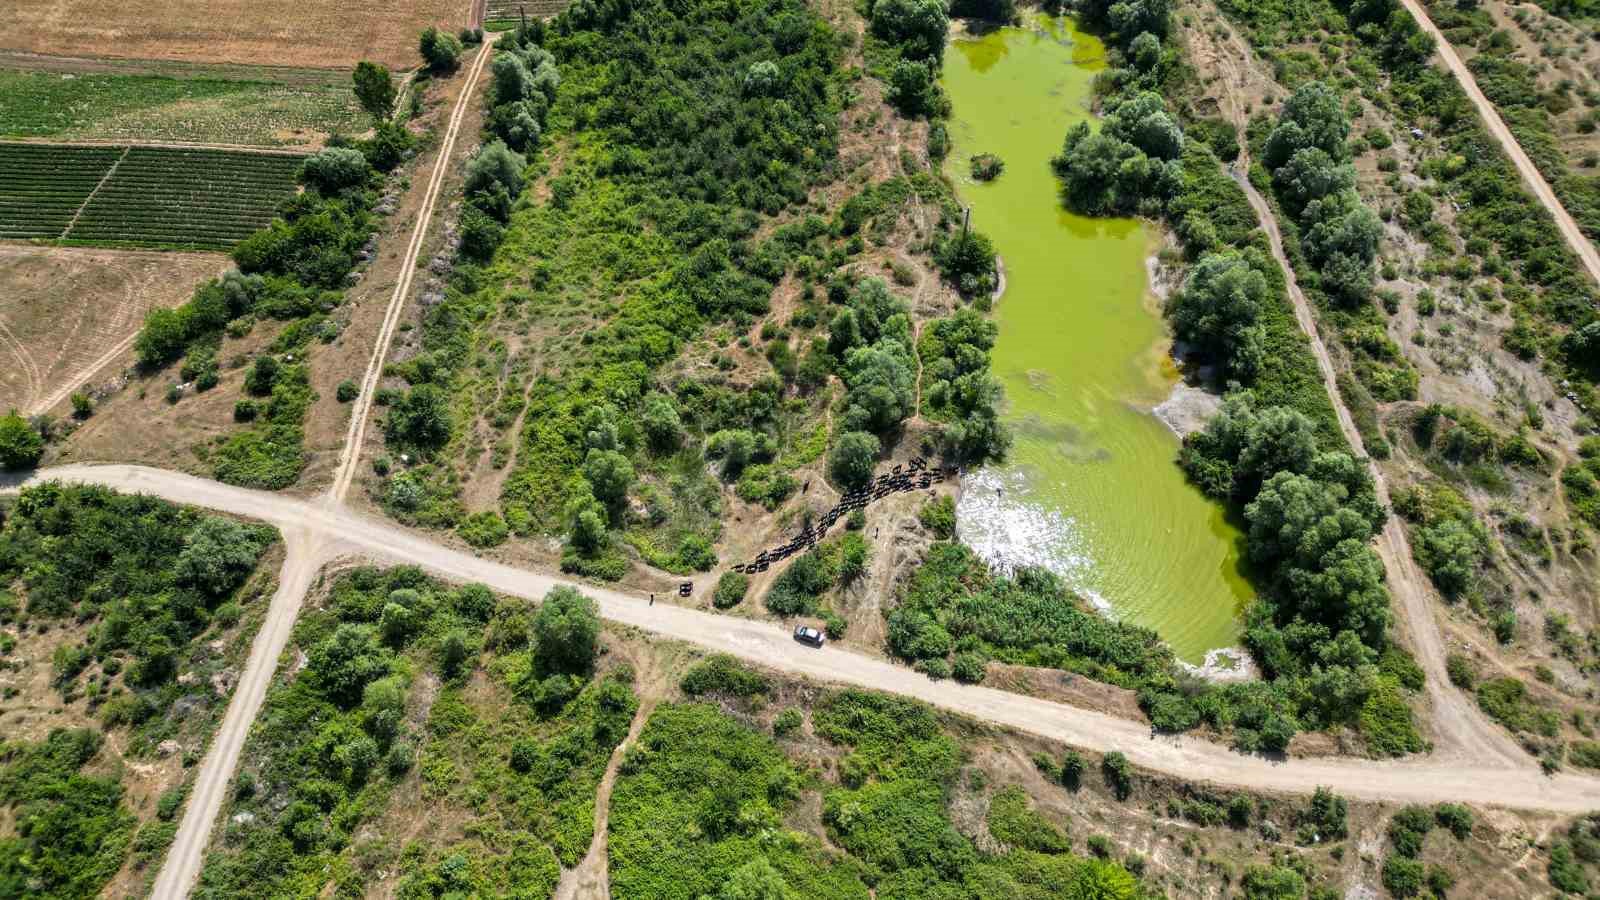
(374, 89)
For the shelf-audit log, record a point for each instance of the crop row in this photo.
(157, 196)
(40, 188)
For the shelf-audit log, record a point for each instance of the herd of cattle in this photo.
(908, 477)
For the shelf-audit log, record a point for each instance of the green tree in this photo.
(662, 426)
(851, 461)
(918, 27)
(333, 169)
(566, 632)
(218, 554)
(1313, 116)
(1272, 883)
(755, 880)
(420, 419)
(20, 444)
(735, 447)
(610, 474)
(440, 49)
(346, 661)
(374, 89)
(1311, 174)
(1219, 310)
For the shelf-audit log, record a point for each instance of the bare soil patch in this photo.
(270, 32)
(72, 312)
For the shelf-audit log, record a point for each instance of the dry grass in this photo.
(266, 32)
(67, 308)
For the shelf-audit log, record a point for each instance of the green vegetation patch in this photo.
(414, 694)
(700, 806)
(156, 583)
(96, 106)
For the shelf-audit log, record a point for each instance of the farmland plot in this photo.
(41, 188)
(69, 314)
(140, 196)
(199, 199)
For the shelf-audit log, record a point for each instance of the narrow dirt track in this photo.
(335, 532)
(1461, 730)
(361, 408)
(182, 866)
(1508, 142)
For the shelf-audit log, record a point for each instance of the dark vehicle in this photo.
(805, 634)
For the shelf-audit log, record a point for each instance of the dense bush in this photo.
(953, 601)
(20, 443)
(520, 747)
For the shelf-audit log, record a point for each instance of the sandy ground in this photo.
(317, 34)
(68, 313)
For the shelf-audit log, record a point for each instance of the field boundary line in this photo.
(161, 145)
(356, 434)
(73, 223)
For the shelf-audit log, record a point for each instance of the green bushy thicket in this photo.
(700, 805)
(521, 754)
(152, 579)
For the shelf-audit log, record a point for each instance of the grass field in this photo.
(311, 33)
(104, 106)
(150, 196)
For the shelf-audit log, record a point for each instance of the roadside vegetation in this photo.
(436, 740)
(145, 604)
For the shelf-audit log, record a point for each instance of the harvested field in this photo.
(69, 312)
(200, 199)
(316, 34)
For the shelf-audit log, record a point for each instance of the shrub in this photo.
(722, 674)
(1455, 818)
(347, 391)
(440, 49)
(731, 588)
(1072, 770)
(939, 517)
(969, 667)
(20, 444)
(1118, 773)
(1463, 674)
(788, 722)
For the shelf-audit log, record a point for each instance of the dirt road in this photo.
(1461, 731)
(361, 408)
(300, 566)
(331, 532)
(1525, 167)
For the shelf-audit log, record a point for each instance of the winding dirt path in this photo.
(590, 879)
(1461, 730)
(1508, 142)
(1468, 773)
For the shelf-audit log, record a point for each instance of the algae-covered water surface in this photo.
(1090, 488)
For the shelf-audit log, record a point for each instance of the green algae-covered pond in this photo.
(1090, 489)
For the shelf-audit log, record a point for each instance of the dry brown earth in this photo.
(68, 313)
(265, 32)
